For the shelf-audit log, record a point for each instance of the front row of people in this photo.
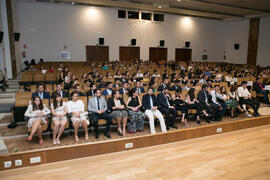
(210, 104)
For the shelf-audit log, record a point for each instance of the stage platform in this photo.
(36, 155)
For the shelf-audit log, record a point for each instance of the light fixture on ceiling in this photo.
(178, 0)
(159, 6)
(73, 3)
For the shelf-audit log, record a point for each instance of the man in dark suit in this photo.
(204, 98)
(59, 90)
(166, 108)
(91, 91)
(175, 86)
(164, 84)
(124, 89)
(41, 93)
(78, 90)
(139, 88)
(109, 89)
(259, 88)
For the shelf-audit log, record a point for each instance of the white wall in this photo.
(263, 57)
(46, 28)
(236, 32)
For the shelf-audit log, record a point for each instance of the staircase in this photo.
(7, 98)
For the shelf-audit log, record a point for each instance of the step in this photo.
(7, 95)
(4, 101)
(12, 90)
(12, 83)
(14, 87)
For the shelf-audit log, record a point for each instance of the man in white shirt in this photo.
(217, 100)
(245, 98)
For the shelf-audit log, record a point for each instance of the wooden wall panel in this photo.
(97, 53)
(157, 54)
(182, 54)
(128, 53)
(254, 27)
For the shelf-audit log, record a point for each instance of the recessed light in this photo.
(73, 3)
(178, 0)
(159, 6)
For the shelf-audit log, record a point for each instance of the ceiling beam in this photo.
(232, 6)
(206, 11)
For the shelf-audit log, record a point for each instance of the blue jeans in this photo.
(265, 95)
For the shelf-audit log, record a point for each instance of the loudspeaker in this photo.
(1, 36)
(17, 36)
(236, 46)
(101, 41)
(133, 42)
(161, 42)
(187, 44)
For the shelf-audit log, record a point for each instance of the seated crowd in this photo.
(146, 97)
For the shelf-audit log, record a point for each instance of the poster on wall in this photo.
(65, 55)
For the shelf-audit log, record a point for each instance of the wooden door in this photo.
(182, 54)
(97, 53)
(127, 53)
(157, 54)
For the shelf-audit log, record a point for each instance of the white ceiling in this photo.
(215, 9)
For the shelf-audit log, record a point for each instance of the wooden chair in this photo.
(38, 78)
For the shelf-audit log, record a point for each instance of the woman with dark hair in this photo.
(233, 95)
(117, 107)
(193, 103)
(231, 103)
(59, 111)
(37, 112)
(78, 118)
(180, 105)
(136, 116)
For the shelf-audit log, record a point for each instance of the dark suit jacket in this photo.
(174, 88)
(46, 95)
(160, 88)
(121, 91)
(89, 93)
(257, 87)
(111, 104)
(141, 89)
(201, 97)
(146, 101)
(64, 94)
(162, 100)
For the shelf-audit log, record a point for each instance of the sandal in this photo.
(41, 143)
(29, 138)
(76, 139)
(58, 141)
(54, 142)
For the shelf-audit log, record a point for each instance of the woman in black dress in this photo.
(137, 117)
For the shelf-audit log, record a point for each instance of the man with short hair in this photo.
(78, 90)
(217, 101)
(98, 106)
(59, 90)
(41, 92)
(164, 84)
(166, 108)
(124, 89)
(139, 88)
(245, 98)
(91, 91)
(150, 104)
(109, 89)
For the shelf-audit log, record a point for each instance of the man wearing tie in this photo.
(91, 91)
(164, 84)
(150, 104)
(139, 88)
(259, 88)
(166, 108)
(98, 107)
(41, 93)
(59, 90)
(124, 89)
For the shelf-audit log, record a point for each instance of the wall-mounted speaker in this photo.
(236, 46)
(101, 41)
(1, 36)
(161, 43)
(17, 36)
(187, 44)
(133, 42)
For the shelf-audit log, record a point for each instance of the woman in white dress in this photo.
(78, 118)
(59, 111)
(36, 112)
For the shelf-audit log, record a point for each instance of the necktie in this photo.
(139, 92)
(260, 85)
(151, 102)
(98, 104)
(206, 99)
(167, 100)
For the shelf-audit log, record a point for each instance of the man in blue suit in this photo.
(41, 93)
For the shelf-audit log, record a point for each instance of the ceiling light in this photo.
(73, 3)
(159, 6)
(178, 0)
